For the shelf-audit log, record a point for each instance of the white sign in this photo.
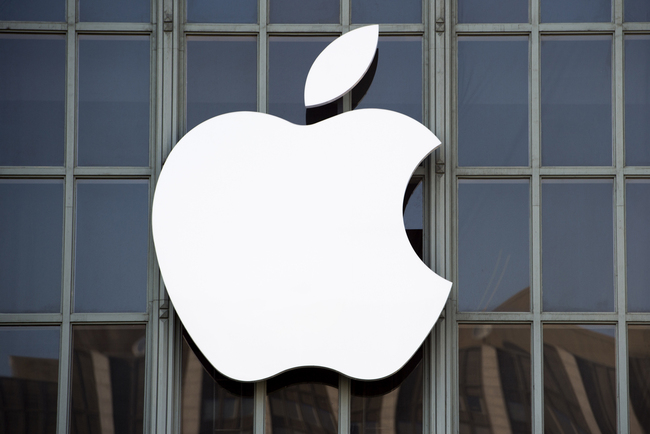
(284, 246)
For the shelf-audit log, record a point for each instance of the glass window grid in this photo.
(618, 173)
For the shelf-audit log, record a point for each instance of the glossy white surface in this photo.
(284, 245)
(340, 66)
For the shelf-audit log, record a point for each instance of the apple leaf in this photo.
(340, 66)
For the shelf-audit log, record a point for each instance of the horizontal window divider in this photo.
(636, 27)
(477, 317)
(399, 28)
(28, 26)
(494, 28)
(577, 27)
(304, 28)
(45, 172)
(115, 27)
(491, 172)
(638, 317)
(606, 172)
(108, 317)
(641, 171)
(419, 171)
(30, 318)
(221, 28)
(579, 317)
(113, 171)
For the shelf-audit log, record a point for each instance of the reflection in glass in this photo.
(637, 99)
(413, 210)
(108, 365)
(494, 245)
(221, 76)
(302, 401)
(29, 376)
(289, 61)
(575, 11)
(211, 402)
(300, 11)
(493, 101)
(31, 245)
(392, 405)
(576, 100)
(386, 11)
(494, 382)
(578, 245)
(637, 10)
(112, 240)
(32, 99)
(492, 11)
(32, 10)
(222, 11)
(113, 91)
(638, 346)
(397, 84)
(135, 11)
(579, 379)
(637, 231)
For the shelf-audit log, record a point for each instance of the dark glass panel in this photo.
(112, 240)
(301, 11)
(386, 11)
(29, 377)
(493, 101)
(414, 215)
(32, 99)
(494, 378)
(221, 11)
(221, 76)
(108, 366)
(494, 245)
(31, 245)
(637, 232)
(637, 10)
(397, 84)
(578, 245)
(638, 347)
(637, 100)
(575, 11)
(113, 127)
(492, 11)
(289, 61)
(211, 402)
(576, 100)
(134, 11)
(302, 401)
(579, 379)
(32, 10)
(392, 405)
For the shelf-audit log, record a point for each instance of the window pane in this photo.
(289, 61)
(414, 215)
(135, 11)
(211, 402)
(31, 244)
(32, 100)
(637, 100)
(579, 379)
(494, 382)
(575, 11)
(32, 10)
(578, 245)
(222, 11)
(300, 11)
(397, 84)
(493, 101)
(637, 10)
(108, 365)
(492, 11)
(113, 90)
(576, 100)
(302, 400)
(221, 76)
(494, 245)
(637, 231)
(112, 239)
(638, 346)
(386, 11)
(392, 405)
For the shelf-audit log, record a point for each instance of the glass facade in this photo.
(535, 207)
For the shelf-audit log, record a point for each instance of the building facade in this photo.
(535, 206)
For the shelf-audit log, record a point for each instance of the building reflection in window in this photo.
(211, 402)
(638, 345)
(494, 389)
(389, 406)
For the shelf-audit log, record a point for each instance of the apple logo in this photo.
(284, 246)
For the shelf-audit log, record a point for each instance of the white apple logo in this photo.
(284, 245)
